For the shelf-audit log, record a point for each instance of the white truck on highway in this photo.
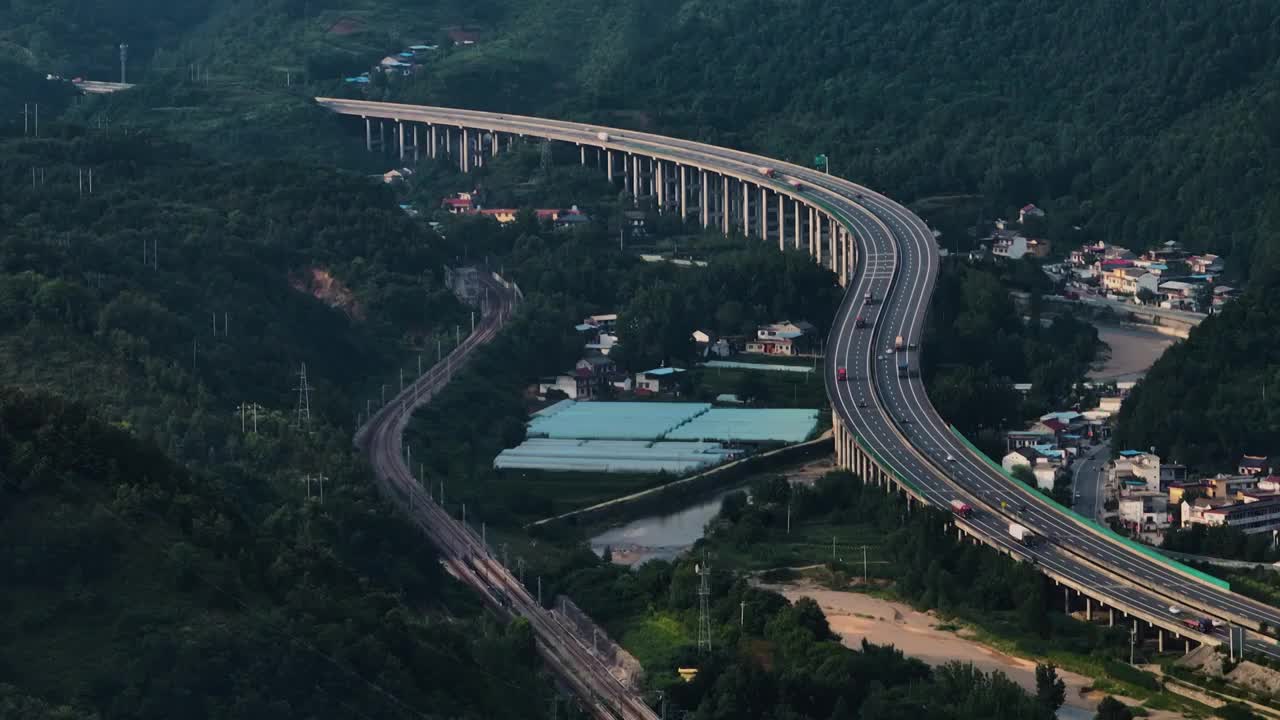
(602, 136)
(1022, 534)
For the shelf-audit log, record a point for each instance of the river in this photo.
(1132, 351)
(659, 536)
(664, 536)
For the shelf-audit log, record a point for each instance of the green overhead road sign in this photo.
(820, 161)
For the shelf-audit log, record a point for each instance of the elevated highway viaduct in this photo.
(886, 429)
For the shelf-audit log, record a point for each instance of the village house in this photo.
(598, 367)
(1029, 211)
(1137, 471)
(1248, 515)
(606, 322)
(1130, 281)
(636, 223)
(1232, 486)
(1144, 511)
(707, 345)
(574, 386)
(658, 380)
(1207, 264)
(1042, 466)
(1253, 465)
(782, 338)
(397, 175)
(459, 204)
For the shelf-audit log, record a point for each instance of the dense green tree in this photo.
(1051, 691)
(1112, 709)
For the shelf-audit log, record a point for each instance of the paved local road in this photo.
(1088, 475)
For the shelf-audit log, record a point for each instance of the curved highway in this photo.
(888, 414)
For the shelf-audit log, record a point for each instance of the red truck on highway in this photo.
(795, 184)
(767, 172)
(842, 374)
(859, 322)
(961, 508)
(1202, 624)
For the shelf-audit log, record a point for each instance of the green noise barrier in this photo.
(1100, 529)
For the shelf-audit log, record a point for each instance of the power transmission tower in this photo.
(704, 604)
(302, 416)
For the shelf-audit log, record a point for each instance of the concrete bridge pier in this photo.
(416, 155)
(764, 213)
(494, 137)
(382, 136)
(705, 208)
(582, 154)
(368, 135)
(724, 207)
(684, 193)
(400, 138)
(660, 184)
(435, 142)
(796, 222)
(782, 222)
(609, 156)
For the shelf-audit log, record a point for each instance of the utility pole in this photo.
(788, 517)
(833, 548)
(864, 564)
(1133, 639)
(742, 614)
(124, 57)
(321, 478)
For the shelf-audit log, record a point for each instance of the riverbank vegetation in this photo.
(653, 609)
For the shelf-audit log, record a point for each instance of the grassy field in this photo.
(808, 543)
(656, 638)
(772, 388)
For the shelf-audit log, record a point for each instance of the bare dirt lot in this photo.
(854, 616)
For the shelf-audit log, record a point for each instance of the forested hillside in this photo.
(135, 588)
(166, 551)
(1213, 397)
(1139, 123)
